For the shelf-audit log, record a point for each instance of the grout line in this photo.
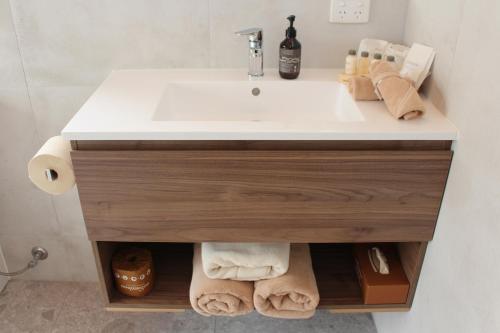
(456, 42)
(405, 23)
(210, 55)
(215, 324)
(23, 67)
(56, 214)
(38, 137)
(3, 266)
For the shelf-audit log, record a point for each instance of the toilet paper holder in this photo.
(51, 169)
(51, 175)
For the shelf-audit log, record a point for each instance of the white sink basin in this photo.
(217, 104)
(264, 101)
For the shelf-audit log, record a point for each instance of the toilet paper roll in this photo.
(51, 169)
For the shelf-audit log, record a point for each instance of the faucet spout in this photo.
(255, 53)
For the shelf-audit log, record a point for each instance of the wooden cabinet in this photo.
(335, 193)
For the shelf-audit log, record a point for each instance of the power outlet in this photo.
(349, 11)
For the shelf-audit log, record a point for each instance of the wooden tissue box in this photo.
(133, 271)
(380, 288)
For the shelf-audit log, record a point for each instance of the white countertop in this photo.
(122, 108)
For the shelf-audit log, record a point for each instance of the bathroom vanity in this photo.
(167, 158)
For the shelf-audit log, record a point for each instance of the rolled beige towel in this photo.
(293, 295)
(361, 88)
(212, 297)
(399, 94)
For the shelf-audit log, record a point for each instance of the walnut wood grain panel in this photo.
(336, 278)
(103, 252)
(412, 258)
(299, 196)
(368, 308)
(261, 145)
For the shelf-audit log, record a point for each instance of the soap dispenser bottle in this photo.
(290, 53)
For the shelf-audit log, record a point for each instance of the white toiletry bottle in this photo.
(376, 57)
(392, 61)
(351, 63)
(363, 63)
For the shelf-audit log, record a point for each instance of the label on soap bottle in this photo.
(289, 61)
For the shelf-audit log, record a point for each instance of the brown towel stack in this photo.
(400, 96)
(362, 89)
(218, 297)
(293, 295)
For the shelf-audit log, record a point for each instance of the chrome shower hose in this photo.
(38, 253)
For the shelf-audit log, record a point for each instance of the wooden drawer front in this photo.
(299, 196)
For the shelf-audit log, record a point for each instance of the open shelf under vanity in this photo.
(333, 264)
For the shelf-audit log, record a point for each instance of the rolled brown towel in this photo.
(218, 297)
(399, 94)
(361, 88)
(293, 295)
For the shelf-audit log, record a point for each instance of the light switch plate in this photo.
(349, 11)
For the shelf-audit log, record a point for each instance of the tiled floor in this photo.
(30, 306)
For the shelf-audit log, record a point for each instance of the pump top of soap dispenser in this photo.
(291, 32)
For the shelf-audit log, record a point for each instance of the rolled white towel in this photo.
(245, 261)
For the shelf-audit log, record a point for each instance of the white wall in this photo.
(53, 54)
(459, 287)
(27, 216)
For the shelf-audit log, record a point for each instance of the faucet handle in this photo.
(254, 34)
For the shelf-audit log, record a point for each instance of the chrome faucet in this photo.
(255, 54)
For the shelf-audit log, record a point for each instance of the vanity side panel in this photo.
(297, 196)
(412, 258)
(103, 252)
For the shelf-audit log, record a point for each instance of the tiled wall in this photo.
(54, 53)
(458, 291)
